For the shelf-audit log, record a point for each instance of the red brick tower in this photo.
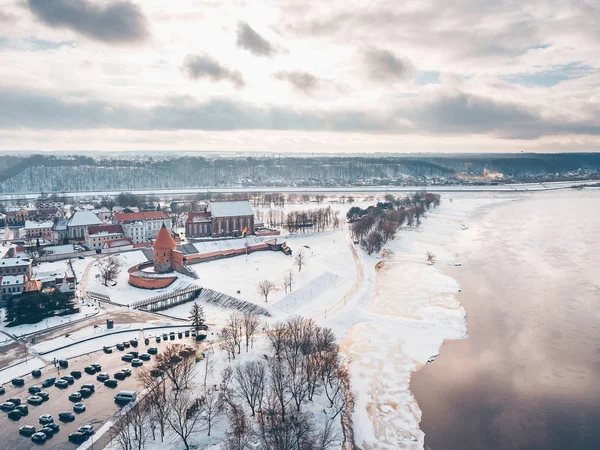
(163, 247)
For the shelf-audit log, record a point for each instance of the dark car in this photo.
(134, 343)
(119, 375)
(145, 357)
(111, 383)
(79, 407)
(66, 416)
(146, 341)
(127, 372)
(102, 377)
(127, 357)
(49, 432)
(2, 390)
(180, 335)
(77, 438)
(172, 336)
(36, 373)
(187, 333)
(88, 430)
(24, 409)
(34, 390)
(35, 400)
(68, 378)
(7, 406)
(76, 374)
(85, 392)
(120, 347)
(133, 353)
(45, 396)
(63, 363)
(152, 350)
(75, 397)
(55, 427)
(165, 337)
(89, 370)
(62, 384)
(126, 344)
(46, 418)
(97, 367)
(48, 382)
(137, 362)
(91, 387)
(27, 430)
(39, 438)
(107, 350)
(157, 339)
(15, 400)
(18, 382)
(15, 414)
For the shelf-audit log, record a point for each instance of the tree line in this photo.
(33, 307)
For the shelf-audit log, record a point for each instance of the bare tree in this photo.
(300, 260)
(121, 433)
(288, 281)
(265, 288)
(251, 324)
(227, 342)
(213, 405)
(278, 385)
(430, 258)
(109, 269)
(177, 365)
(238, 434)
(157, 397)
(185, 414)
(249, 379)
(138, 419)
(276, 334)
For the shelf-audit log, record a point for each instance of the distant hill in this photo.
(43, 173)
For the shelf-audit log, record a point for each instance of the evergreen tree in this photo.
(196, 316)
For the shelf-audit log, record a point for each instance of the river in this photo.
(528, 375)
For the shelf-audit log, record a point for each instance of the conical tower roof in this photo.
(164, 240)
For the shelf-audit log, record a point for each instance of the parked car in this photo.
(75, 397)
(187, 333)
(125, 397)
(172, 336)
(85, 392)
(120, 347)
(34, 389)
(24, 409)
(61, 384)
(63, 363)
(79, 407)
(133, 353)
(54, 426)
(145, 357)
(15, 400)
(18, 382)
(119, 375)
(48, 382)
(35, 400)
(134, 343)
(111, 383)
(126, 371)
(137, 362)
(27, 430)
(7, 406)
(68, 378)
(107, 349)
(77, 438)
(180, 335)
(91, 387)
(152, 350)
(36, 373)
(165, 337)
(127, 357)
(102, 377)
(49, 432)
(2, 390)
(97, 367)
(88, 429)
(44, 395)
(157, 339)
(46, 418)
(76, 374)
(126, 344)
(89, 370)
(146, 341)
(66, 416)
(38, 437)
(15, 414)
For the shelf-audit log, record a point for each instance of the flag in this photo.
(244, 231)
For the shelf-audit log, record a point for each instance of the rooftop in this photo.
(230, 209)
(164, 240)
(146, 215)
(30, 225)
(13, 262)
(105, 229)
(11, 279)
(82, 218)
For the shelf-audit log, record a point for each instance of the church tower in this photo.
(163, 247)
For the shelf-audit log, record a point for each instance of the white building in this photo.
(34, 230)
(15, 266)
(97, 236)
(142, 226)
(11, 285)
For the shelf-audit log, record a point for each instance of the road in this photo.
(100, 406)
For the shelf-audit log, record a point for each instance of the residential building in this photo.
(34, 230)
(142, 226)
(11, 285)
(49, 214)
(60, 230)
(48, 204)
(221, 219)
(97, 236)
(79, 223)
(15, 266)
(104, 214)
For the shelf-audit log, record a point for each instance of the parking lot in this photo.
(99, 407)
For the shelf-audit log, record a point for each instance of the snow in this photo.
(230, 209)
(21, 369)
(227, 244)
(81, 218)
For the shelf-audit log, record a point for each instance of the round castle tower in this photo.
(163, 247)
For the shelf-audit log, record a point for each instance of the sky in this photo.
(300, 75)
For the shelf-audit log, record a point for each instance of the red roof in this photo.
(164, 240)
(118, 243)
(145, 215)
(105, 229)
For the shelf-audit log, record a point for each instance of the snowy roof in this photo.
(230, 209)
(146, 215)
(82, 218)
(11, 279)
(104, 209)
(30, 225)
(60, 249)
(13, 262)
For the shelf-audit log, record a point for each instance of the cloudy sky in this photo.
(300, 75)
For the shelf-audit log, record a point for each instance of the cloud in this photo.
(303, 81)
(383, 65)
(114, 22)
(203, 66)
(250, 40)
(6, 17)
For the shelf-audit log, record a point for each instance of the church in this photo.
(221, 219)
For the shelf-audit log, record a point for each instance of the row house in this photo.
(15, 266)
(99, 235)
(142, 226)
(33, 230)
(221, 219)
(18, 215)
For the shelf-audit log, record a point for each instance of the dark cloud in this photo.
(203, 66)
(114, 22)
(250, 40)
(303, 81)
(383, 65)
